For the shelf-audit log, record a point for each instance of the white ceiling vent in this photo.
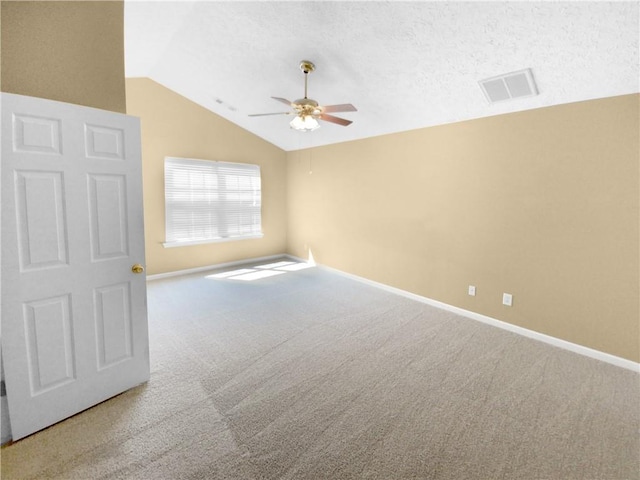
(518, 84)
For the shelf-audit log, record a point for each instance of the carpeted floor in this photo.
(310, 375)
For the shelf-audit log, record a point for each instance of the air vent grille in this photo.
(518, 84)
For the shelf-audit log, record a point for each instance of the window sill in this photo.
(187, 243)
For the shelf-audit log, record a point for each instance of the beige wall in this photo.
(542, 204)
(67, 51)
(176, 127)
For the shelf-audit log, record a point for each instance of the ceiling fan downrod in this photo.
(307, 67)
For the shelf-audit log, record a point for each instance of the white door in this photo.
(74, 315)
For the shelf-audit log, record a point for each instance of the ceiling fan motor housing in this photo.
(307, 106)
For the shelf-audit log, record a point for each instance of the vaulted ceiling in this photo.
(404, 65)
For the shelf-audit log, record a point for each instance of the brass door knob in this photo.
(137, 268)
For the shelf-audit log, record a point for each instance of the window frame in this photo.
(221, 172)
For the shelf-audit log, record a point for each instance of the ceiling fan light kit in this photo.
(307, 111)
(304, 123)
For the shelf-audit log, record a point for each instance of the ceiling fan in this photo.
(308, 111)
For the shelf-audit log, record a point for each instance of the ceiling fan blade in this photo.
(332, 119)
(283, 100)
(265, 114)
(345, 107)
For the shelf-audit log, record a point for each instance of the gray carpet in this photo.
(310, 375)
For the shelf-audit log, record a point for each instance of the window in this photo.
(209, 201)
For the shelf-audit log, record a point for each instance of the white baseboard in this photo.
(216, 266)
(556, 342)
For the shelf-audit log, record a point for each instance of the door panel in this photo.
(113, 319)
(42, 236)
(104, 142)
(36, 134)
(107, 199)
(74, 320)
(49, 343)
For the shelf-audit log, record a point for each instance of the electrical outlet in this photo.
(472, 290)
(507, 299)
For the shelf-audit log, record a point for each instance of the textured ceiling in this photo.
(404, 65)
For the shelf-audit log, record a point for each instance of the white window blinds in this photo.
(209, 201)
